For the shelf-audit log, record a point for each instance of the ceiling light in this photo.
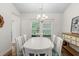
(41, 16)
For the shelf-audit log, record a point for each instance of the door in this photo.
(16, 27)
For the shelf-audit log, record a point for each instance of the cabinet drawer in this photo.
(77, 43)
(77, 39)
(66, 36)
(72, 37)
(73, 42)
(69, 37)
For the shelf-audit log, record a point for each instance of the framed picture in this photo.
(1, 21)
(75, 25)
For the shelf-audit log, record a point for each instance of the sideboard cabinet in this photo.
(73, 39)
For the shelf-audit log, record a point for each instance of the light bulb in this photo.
(43, 15)
(38, 16)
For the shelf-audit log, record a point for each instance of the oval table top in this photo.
(38, 43)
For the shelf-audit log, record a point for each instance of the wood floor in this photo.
(13, 53)
(9, 53)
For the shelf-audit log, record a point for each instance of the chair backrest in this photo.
(24, 38)
(19, 45)
(41, 52)
(53, 38)
(59, 42)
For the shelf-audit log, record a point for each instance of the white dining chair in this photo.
(19, 44)
(24, 38)
(58, 47)
(53, 38)
(23, 51)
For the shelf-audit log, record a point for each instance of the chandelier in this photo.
(42, 16)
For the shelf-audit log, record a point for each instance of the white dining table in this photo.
(38, 43)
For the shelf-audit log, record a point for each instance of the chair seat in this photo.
(54, 53)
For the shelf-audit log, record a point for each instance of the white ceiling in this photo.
(36, 7)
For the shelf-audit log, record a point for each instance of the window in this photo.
(46, 28)
(35, 27)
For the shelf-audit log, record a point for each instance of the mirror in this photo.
(75, 25)
(1, 21)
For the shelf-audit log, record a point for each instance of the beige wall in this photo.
(71, 12)
(6, 10)
(27, 22)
